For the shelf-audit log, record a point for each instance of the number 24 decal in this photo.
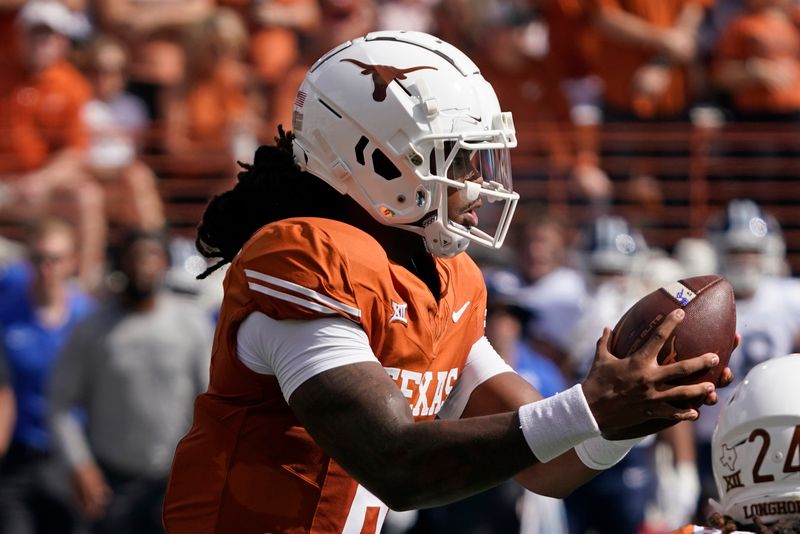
(789, 465)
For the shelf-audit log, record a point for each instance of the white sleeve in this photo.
(482, 364)
(294, 351)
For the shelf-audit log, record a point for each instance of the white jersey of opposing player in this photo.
(769, 324)
(604, 307)
(557, 299)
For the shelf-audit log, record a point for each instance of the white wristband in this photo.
(599, 453)
(554, 425)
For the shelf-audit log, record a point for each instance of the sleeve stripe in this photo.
(290, 298)
(313, 295)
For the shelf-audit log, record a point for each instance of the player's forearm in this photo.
(557, 478)
(438, 462)
(508, 391)
(368, 428)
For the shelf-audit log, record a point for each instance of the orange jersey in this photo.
(616, 62)
(247, 465)
(764, 35)
(41, 115)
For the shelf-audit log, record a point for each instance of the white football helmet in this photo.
(749, 244)
(390, 117)
(756, 445)
(611, 246)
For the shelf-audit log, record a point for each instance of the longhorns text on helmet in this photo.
(382, 118)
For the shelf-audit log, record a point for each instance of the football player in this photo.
(767, 306)
(350, 370)
(609, 251)
(755, 454)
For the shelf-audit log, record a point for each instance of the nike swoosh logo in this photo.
(457, 314)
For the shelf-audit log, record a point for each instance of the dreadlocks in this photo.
(271, 189)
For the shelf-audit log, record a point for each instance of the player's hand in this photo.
(91, 490)
(623, 393)
(725, 378)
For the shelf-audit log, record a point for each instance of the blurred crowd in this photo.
(105, 335)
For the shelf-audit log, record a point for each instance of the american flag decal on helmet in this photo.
(300, 99)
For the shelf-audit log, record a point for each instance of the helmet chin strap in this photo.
(441, 242)
(438, 239)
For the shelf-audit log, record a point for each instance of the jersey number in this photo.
(366, 513)
(789, 465)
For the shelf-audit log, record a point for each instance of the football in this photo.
(709, 326)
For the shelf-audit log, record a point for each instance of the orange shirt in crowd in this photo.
(570, 36)
(764, 35)
(531, 93)
(213, 103)
(616, 62)
(248, 465)
(40, 115)
(9, 52)
(273, 49)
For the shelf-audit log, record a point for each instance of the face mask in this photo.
(744, 278)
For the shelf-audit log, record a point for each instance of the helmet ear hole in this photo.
(384, 167)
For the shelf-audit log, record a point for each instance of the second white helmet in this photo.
(756, 445)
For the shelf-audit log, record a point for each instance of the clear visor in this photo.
(472, 161)
(476, 195)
